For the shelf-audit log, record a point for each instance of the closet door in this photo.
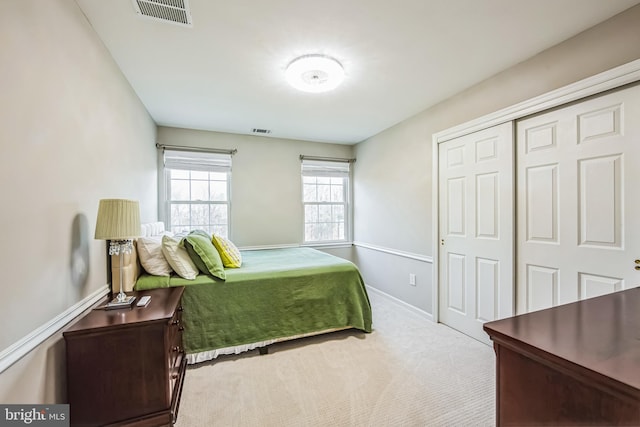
(578, 208)
(476, 229)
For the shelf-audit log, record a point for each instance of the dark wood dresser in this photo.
(126, 366)
(575, 364)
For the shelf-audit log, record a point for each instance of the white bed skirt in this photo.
(204, 356)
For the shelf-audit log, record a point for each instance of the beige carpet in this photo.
(408, 372)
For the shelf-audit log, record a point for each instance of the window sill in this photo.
(328, 245)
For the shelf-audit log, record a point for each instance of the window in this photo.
(325, 195)
(197, 191)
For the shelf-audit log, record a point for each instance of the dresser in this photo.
(576, 364)
(126, 366)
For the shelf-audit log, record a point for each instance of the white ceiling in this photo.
(226, 72)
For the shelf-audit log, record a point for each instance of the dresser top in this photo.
(161, 308)
(598, 335)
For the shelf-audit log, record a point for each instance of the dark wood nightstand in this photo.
(126, 366)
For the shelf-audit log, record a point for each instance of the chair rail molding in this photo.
(20, 348)
(410, 255)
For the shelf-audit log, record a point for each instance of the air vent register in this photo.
(173, 11)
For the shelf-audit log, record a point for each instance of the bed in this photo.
(276, 295)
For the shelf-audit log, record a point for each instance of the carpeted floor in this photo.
(407, 372)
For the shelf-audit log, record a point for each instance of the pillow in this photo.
(229, 253)
(204, 255)
(178, 258)
(201, 233)
(151, 256)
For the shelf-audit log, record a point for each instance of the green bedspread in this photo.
(277, 293)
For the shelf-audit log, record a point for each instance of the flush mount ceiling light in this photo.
(315, 73)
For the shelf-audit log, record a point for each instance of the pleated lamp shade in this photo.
(118, 219)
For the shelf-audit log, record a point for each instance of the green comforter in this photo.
(277, 293)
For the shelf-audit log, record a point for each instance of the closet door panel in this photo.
(476, 229)
(577, 214)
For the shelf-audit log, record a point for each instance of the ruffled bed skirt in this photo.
(212, 354)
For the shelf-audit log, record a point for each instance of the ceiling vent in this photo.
(261, 131)
(174, 11)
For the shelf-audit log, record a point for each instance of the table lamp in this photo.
(119, 222)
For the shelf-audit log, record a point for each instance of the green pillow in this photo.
(201, 233)
(204, 255)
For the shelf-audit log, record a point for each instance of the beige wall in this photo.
(266, 207)
(393, 174)
(72, 131)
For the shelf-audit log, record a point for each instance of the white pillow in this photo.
(151, 256)
(178, 258)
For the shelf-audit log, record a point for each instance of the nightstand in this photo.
(127, 366)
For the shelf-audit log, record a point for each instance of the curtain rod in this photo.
(327, 159)
(208, 150)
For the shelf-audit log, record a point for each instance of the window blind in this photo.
(197, 160)
(325, 168)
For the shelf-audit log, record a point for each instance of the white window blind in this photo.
(325, 168)
(197, 161)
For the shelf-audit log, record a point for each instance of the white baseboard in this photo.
(19, 349)
(401, 303)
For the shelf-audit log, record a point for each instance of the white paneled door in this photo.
(578, 205)
(476, 229)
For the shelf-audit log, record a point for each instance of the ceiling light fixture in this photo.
(314, 73)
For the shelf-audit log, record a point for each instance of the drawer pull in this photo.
(181, 328)
(180, 308)
(176, 322)
(176, 348)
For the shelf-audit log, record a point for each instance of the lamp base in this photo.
(115, 304)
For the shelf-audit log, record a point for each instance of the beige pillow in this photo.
(178, 258)
(151, 256)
